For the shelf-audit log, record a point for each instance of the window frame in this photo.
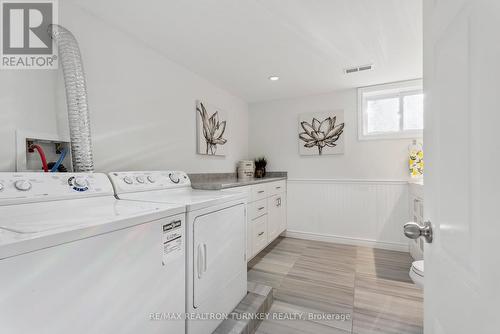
(392, 90)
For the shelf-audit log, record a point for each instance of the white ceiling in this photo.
(238, 44)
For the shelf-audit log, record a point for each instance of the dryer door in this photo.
(219, 273)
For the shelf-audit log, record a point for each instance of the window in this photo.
(391, 111)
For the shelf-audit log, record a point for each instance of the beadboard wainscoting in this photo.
(359, 212)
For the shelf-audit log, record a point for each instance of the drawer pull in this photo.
(261, 208)
(260, 191)
(261, 233)
(278, 187)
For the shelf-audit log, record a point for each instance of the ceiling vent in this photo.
(358, 69)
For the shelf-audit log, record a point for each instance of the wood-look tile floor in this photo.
(369, 289)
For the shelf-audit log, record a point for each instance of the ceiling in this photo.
(238, 44)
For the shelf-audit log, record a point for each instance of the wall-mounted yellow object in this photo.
(416, 159)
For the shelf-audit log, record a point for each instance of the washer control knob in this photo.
(23, 185)
(1, 187)
(81, 182)
(128, 180)
(151, 179)
(140, 179)
(174, 177)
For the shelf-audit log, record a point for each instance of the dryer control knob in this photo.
(23, 185)
(151, 179)
(1, 187)
(128, 180)
(140, 179)
(174, 177)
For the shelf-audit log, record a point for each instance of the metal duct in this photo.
(76, 98)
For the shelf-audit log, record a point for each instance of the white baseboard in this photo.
(404, 247)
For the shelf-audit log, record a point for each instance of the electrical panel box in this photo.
(28, 159)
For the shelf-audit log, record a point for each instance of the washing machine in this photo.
(216, 270)
(74, 259)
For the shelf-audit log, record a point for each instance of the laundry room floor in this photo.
(369, 290)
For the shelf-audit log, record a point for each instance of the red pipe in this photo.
(42, 156)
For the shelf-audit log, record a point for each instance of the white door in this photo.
(219, 272)
(462, 190)
(219, 254)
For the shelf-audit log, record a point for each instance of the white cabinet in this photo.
(276, 215)
(266, 215)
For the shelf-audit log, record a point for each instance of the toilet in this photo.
(417, 273)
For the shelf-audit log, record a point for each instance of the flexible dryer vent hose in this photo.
(76, 98)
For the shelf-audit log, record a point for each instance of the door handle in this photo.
(204, 258)
(199, 263)
(414, 230)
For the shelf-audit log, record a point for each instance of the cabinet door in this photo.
(282, 218)
(274, 216)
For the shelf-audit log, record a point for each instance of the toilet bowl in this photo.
(417, 273)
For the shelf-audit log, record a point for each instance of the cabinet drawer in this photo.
(259, 191)
(275, 188)
(257, 209)
(259, 234)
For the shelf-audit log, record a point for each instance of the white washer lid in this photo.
(29, 227)
(76, 214)
(418, 267)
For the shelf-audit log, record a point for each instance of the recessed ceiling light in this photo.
(274, 78)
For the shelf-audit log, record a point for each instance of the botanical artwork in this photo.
(211, 129)
(321, 133)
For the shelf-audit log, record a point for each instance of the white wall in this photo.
(26, 102)
(357, 197)
(274, 133)
(142, 104)
(369, 213)
(143, 117)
